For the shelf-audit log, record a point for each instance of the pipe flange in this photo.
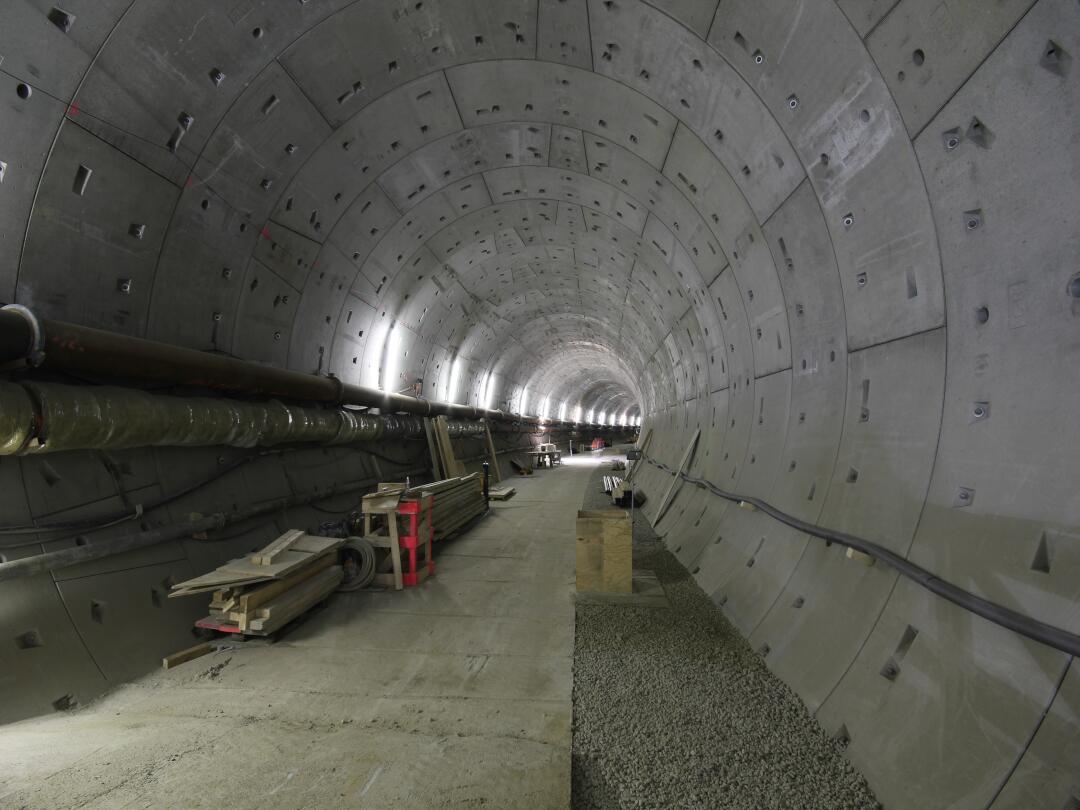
(36, 354)
(339, 389)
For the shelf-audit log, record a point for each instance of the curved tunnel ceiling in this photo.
(748, 218)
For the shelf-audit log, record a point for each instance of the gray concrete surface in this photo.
(453, 694)
(838, 238)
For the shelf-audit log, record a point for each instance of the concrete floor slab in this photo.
(453, 694)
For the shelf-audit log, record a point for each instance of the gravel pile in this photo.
(672, 709)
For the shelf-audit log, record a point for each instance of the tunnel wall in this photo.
(944, 444)
(838, 238)
(82, 629)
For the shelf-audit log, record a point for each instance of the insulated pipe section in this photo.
(53, 345)
(48, 418)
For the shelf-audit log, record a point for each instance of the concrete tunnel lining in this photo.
(835, 239)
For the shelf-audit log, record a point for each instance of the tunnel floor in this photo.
(458, 694)
(672, 708)
(453, 694)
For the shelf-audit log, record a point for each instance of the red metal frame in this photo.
(411, 510)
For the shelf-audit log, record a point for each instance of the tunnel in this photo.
(820, 256)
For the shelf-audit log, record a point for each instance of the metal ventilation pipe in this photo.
(29, 341)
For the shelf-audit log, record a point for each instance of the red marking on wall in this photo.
(265, 232)
(73, 108)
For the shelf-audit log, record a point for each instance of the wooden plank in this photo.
(502, 493)
(317, 544)
(250, 600)
(190, 654)
(288, 606)
(665, 502)
(272, 551)
(452, 466)
(491, 451)
(382, 502)
(437, 470)
(215, 580)
(288, 562)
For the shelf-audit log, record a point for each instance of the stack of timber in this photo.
(399, 527)
(262, 592)
(456, 502)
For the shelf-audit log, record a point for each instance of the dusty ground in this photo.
(672, 708)
(455, 694)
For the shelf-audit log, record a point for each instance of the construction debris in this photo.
(521, 467)
(264, 591)
(502, 493)
(190, 654)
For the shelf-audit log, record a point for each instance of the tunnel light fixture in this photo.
(391, 353)
(577, 413)
(589, 416)
(544, 408)
(455, 375)
(486, 399)
(375, 357)
(523, 401)
(562, 412)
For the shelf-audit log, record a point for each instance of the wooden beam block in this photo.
(676, 482)
(604, 551)
(249, 600)
(277, 613)
(859, 556)
(190, 654)
(269, 554)
(491, 451)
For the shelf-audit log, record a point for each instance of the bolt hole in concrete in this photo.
(745, 740)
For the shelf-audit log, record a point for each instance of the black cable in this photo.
(97, 524)
(1000, 615)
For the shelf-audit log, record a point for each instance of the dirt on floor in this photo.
(673, 709)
